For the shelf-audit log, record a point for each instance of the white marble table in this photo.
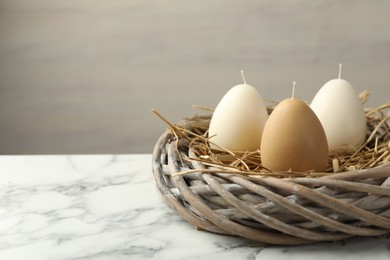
(107, 207)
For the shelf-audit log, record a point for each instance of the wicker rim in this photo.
(292, 211)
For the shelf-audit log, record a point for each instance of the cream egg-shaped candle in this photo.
(341, 113)
(238, 120)
(294, 139)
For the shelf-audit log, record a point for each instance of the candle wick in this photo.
(340, 67)
(243, 77)
(293, 90)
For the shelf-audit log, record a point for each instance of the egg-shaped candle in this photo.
(341, 113)
(294, 139)
(238, 120)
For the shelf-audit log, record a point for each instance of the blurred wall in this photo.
(80, 76)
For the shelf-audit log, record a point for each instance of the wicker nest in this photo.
(232, 194)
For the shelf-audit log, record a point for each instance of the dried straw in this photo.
(374, 152)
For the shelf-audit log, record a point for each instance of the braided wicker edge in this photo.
(292, 211)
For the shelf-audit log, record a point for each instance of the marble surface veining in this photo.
(107, 207)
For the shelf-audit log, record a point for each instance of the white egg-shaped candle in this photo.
(238, 120)
(341, 113)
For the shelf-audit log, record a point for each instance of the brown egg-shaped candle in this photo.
(294, 139)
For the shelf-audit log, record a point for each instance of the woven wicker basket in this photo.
(270, 210)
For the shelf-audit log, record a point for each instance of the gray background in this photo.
(80, 76)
